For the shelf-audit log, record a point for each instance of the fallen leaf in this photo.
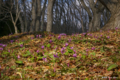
(109, 73)
(45, 68)
(19, 74)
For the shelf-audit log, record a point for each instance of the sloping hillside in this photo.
(46, 56)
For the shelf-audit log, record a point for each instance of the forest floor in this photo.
(48, 56)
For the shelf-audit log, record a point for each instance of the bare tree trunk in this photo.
(81, 19)
(114, 21)
(43, 13)
(38, 15)
(22, 24)
(50, 15)
(33, 15)
(25, 17)
(0, 5)
(95, 22)
(17, 16)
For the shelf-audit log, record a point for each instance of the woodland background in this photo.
(58, 16)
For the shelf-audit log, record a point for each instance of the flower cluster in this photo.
(38, 36)
(42, 47)
(21, 45)
(63, 50)
(50, 41)
(74, 55)
(59, 37)
(62, 34)
(55, 55)
(69, 40)
(66, 44)
(2, 46)
(45, 59)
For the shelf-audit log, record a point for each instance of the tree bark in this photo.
(32, 27)
(114, 21)
(38, 15)
(21, 23)
(17, 16)
(25, 17)
(50, 15)
(43, 13)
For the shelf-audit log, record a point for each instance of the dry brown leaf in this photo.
(109, 46)
(96, 64)
(108, 73)
(45, 68)
(67, 61)
(105, 58)
(33, 73)
(30, 64)
(73, 66)
(98, 55)
(20, 74)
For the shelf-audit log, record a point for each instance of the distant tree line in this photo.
(58, 16)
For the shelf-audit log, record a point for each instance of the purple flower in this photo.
(45, 59)
(59, 37)
(63, 50)
(69, 40)
(88, 34)
(86, 54)
(83, 33)
(66, 44)
(4, 45)
(93, 48)
(1, 48)
(56, 48)
(116, 28)
(40, 36)
(62, 34)
(42, 47)
(50, 35)
(11, 41)
(36, 36)
(96, 37)
(8, 50)
(43, 53)
(108, 37)
(1, 44)
(74, 51)
(50, 41)
(32, 37)
(55, 55)
(75, 55)
(71, 48)
(21, 45)
(37, 51)
(68, 64)
(87, 50)
(18, 56)
(54, 69)
(16, 41)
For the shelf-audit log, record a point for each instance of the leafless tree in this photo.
(50, 15)
(14, 21)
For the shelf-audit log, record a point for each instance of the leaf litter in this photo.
(93, 55)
